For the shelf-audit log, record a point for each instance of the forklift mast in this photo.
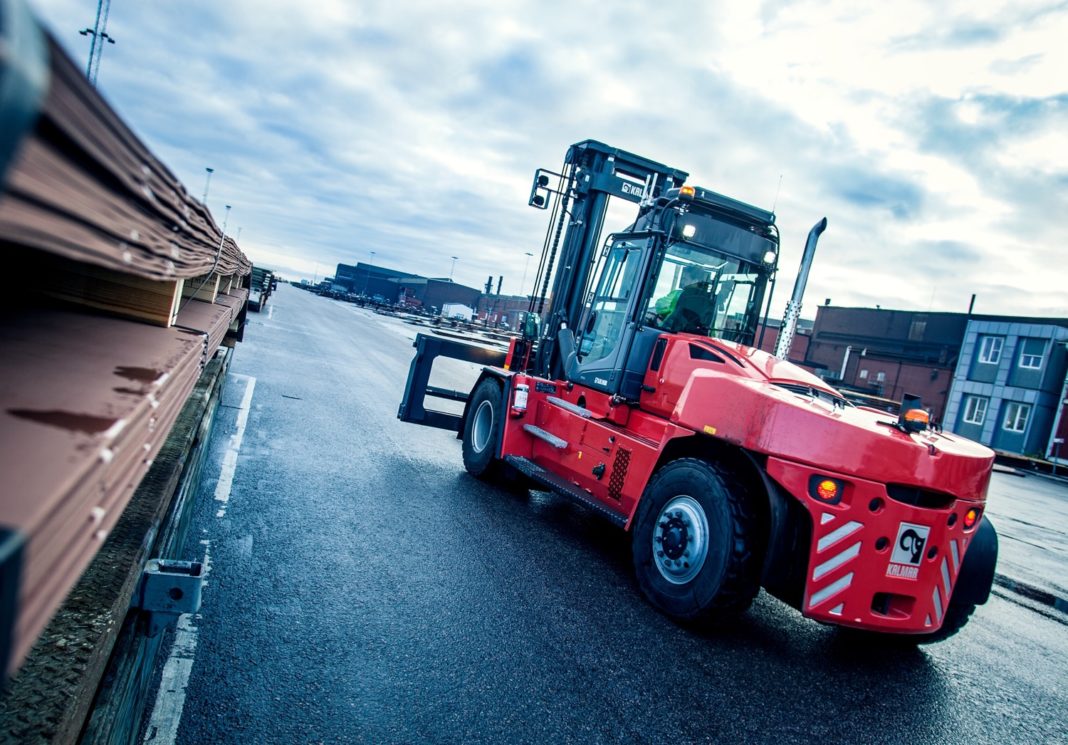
(592, 173)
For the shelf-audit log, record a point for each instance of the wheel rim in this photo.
(680, 540)
(482, 426)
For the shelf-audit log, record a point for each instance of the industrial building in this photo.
(503, 310)
(395, 286)
(370, 280)
(431, 293)
(999, 380)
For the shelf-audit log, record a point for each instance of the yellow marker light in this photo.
(919, 416)
(687, 192)
(827, 490)
(971, 517)
(709, 429)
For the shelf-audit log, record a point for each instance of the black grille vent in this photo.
(619, 473)
(916, 497)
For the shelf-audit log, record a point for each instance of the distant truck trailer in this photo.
(457, 311)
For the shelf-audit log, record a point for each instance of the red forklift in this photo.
(637, 390)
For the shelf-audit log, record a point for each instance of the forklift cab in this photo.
(679, 280)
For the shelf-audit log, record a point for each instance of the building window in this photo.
(990, 349)
(1016, 416)
(917, 328)
(975, 409)
(863, 374)
(881, 377)
(1031, 353)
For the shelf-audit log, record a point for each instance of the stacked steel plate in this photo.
(88, 395)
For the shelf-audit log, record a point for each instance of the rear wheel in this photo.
(694, 542)
(973, 585)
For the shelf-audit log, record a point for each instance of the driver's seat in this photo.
(694, 310)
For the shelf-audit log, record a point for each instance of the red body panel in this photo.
(737, 394)
(850, 564)
(626, 442)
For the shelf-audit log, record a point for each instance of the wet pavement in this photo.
(363, 588)
(1030, 512)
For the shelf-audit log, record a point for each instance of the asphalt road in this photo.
(363, 588)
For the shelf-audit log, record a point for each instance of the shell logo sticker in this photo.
(908, 551)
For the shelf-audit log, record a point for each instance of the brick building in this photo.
(506, 310)
(888, 353)
(799, 345)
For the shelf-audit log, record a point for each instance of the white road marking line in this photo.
(229, 464)
(270, 313)
(170, 699)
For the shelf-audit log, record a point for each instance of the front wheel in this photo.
(480, 440)
(695, 542)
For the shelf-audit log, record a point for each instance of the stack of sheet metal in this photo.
(82, 185)
(86, 403)
(208, 321)
(87, 399)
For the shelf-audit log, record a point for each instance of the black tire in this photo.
(669, 518)
(481, 440)
(973, 585)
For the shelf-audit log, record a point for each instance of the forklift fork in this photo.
(428, 348)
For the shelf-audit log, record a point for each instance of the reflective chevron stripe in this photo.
(836, 561)
(838, 534)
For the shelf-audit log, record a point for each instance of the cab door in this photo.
(608, 323)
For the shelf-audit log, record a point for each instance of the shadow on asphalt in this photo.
(768, 625)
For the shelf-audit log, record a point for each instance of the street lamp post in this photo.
(453, 268)
(526, 265)
(207, 183)
(226, 219)
(367, 279)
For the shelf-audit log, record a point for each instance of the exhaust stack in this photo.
(793, 308)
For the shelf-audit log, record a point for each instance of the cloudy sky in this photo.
(933, 136)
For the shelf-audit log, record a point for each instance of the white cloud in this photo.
(413, 129)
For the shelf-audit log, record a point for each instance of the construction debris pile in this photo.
(127, 289)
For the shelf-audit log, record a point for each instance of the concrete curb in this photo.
(1032, 593)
